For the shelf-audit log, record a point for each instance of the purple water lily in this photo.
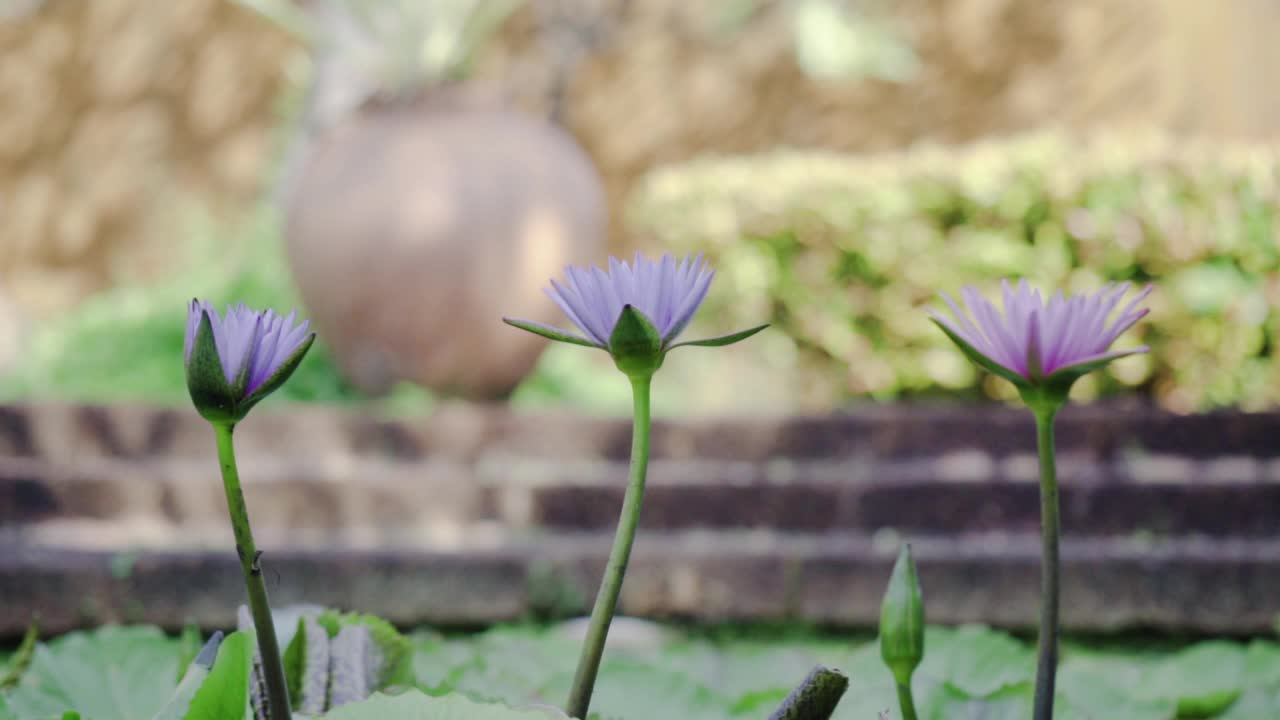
(255, 353)
(636, 309)
(1042, 348)
(1032, 339)
(667, 292)
(232, 362)
(260, 342)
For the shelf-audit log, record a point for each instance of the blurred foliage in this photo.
(126, 344)
(843, 253)
(401, 43)
(840, 39)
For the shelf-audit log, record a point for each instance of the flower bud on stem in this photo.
(902, 628)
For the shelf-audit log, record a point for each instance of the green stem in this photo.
(268, 647)
(584, 679)
(906, 702)
(1046, 666)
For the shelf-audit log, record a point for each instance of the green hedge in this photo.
(844, 252)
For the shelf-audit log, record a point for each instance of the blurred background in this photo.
(409, 172)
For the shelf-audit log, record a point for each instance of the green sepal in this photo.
(983, 361)
(635, 344)
(723, 340)
(1064, 377)
(213, 397)
(277, 379)
(549, 332)
(902, 619)
(1047, 399)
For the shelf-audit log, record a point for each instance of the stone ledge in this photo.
(1224, 587)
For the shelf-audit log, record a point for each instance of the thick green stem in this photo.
(268, 647)
(906, 702)
(584, 679)
(815, 698)
(1046, 666)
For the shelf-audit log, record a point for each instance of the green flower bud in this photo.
(902, 620)
(635, 344)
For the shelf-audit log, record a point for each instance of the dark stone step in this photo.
(66, 432)
(1224, 587)
(1174, 498)
(1092, 508)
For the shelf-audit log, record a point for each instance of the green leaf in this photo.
(112, 673)
(977, 661)
(413, 705)
(396, 665)
(1107, 690)
(723, 340)
(1010, 703)
(5, 712)
(1262, 665)
(294, 663)
(549, 332)
(225, 693)
(627, 683)
(1255, 704)
(1204, 680)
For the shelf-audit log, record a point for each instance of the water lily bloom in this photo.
(236, 359)
(233, 361)
(1043, 348)
(1042, 344)
(633, 311)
